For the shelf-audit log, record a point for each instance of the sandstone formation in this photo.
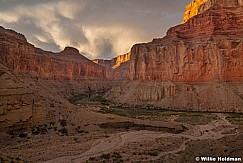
(197, 66)
(192, 9)
(23, 58)
(216, 97)
(117, 68)
(19, 105)
(114, 62)
(190, 54)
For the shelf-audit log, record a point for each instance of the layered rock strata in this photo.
(117, 68)
(19, 105)
(206, 48)
(192, 9)
(197, 66)
(23, 58)
(202, 97)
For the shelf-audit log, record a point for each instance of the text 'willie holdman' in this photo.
(219, 159)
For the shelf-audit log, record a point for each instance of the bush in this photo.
(23, 135)
(92, 159)
(63, 131)
(81, 131)
(63, 122)
(153, 153)
(105, 156)
(116, 155)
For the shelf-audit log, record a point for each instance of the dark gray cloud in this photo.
(98, 28)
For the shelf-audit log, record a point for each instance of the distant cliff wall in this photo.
(117, 68)
(24, 59)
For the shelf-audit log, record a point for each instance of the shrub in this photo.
(63, 122)
(153, 153)
(63, 131)
(81, 131)
(105, 156)
(23, 135)
(116, 155)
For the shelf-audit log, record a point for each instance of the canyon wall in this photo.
(192, 9)
(26, 60)
(117, 68)
(199, 6)
(197, 66)
(19, 105)
(202, 97)
(190, 54)
(114, 62)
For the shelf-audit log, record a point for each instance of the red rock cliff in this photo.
(117, 68)
(23, 58)
(207, 47)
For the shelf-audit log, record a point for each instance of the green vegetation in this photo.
(78, 129)
(94, 97)
(92, 159)
(7, 159)
(128, 112)
(63, 122)
(153, 153)
(40, 129)
(116, 155)
(101, 100)
(105, 156)
(63, 131)
(77, 98)
(76, 139)
(23, 135)
(236, 117)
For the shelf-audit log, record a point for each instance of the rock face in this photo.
(18, 104)
(117, 68)
(23, 58)
(192, 9)
(199, 6)
(190, 54)
(197, 66)
(216, 97)
(114, 62)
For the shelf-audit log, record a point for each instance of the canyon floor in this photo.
(120, 134)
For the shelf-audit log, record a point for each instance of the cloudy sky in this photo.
(98, 28)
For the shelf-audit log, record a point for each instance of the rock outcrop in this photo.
(202, 97)
(24, 59)
(192, 9)
(197, 66)
(117, 68)
(207, 47)
(19, 105)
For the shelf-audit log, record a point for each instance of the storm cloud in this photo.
(98, 28)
